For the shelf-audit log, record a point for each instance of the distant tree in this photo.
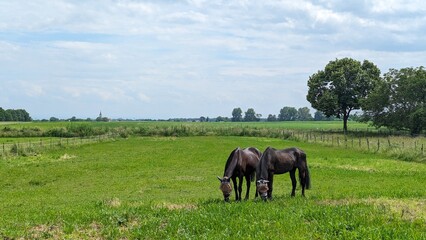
(219, 119)
(54, 119)
(25, 115)
(303, 114)
(341, 86)
(319, 116)
(237, 115)
(202, 119)
(2, 115)
(251, 116)
(287, 114)
(399, 101)
(10, 115)
(18, 115)
(271, 118)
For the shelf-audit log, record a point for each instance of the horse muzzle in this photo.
(264, 196)
(226, 197)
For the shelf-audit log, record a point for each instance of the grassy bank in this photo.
(166, 187)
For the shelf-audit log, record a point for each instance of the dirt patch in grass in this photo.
(114, 202)
(407, 209)
(66, 156)
(356, 168)
(46, 232)
(175, 206)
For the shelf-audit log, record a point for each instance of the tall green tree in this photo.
(251, 116)
(341, 86)
(303, 114)
(287, 114)
(19, 115)
(399, 101)
(271, 118)
(237, 115)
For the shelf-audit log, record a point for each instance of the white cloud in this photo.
(397, 6)
(32, 90)
(144, 98)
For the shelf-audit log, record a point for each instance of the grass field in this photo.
(166, 188)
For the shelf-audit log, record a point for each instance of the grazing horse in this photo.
(275, 161)
(241, 163)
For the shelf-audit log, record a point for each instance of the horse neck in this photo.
(263, 165)
(232, 163)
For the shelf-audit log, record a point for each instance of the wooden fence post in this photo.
(368, 145)
(378, 144)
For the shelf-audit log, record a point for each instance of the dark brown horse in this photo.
(275, 161)
(241, 163)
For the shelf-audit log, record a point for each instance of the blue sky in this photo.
(167, 59)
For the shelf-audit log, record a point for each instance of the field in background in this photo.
(166, 187)
(32, 138)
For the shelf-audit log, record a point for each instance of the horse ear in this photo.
(220, 179)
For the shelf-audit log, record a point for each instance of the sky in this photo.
(190, 58)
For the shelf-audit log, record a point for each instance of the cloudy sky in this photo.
(176, 58)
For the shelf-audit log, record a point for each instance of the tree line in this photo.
(396, 100)
(286, 114)
(14, 115)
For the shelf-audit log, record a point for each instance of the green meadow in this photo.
(166, 188)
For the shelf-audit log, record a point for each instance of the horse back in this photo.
(249, 159)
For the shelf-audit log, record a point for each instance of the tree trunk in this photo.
(345, 123)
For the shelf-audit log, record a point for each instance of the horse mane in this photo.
(231, 163)
(263, 164)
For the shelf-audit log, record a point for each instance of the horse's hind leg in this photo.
(248, 187)
(293, 182)
(302, 174)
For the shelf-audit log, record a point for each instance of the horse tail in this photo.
(308, 178)
(306, 174)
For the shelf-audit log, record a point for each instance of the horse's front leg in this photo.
(270, 184)
(234, 180)
(240, 187)
(293, 182)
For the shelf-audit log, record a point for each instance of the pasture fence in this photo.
(399, 145)
(402, 147)
(31, 147)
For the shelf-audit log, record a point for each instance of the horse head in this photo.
(225, 186)
(262, 188)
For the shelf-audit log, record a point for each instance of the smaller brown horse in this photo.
(241, 163)
(275, 161)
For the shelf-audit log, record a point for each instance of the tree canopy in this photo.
(251, 116)
(237, 115)
(399, 101)
(12, 115)
(340, 87)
